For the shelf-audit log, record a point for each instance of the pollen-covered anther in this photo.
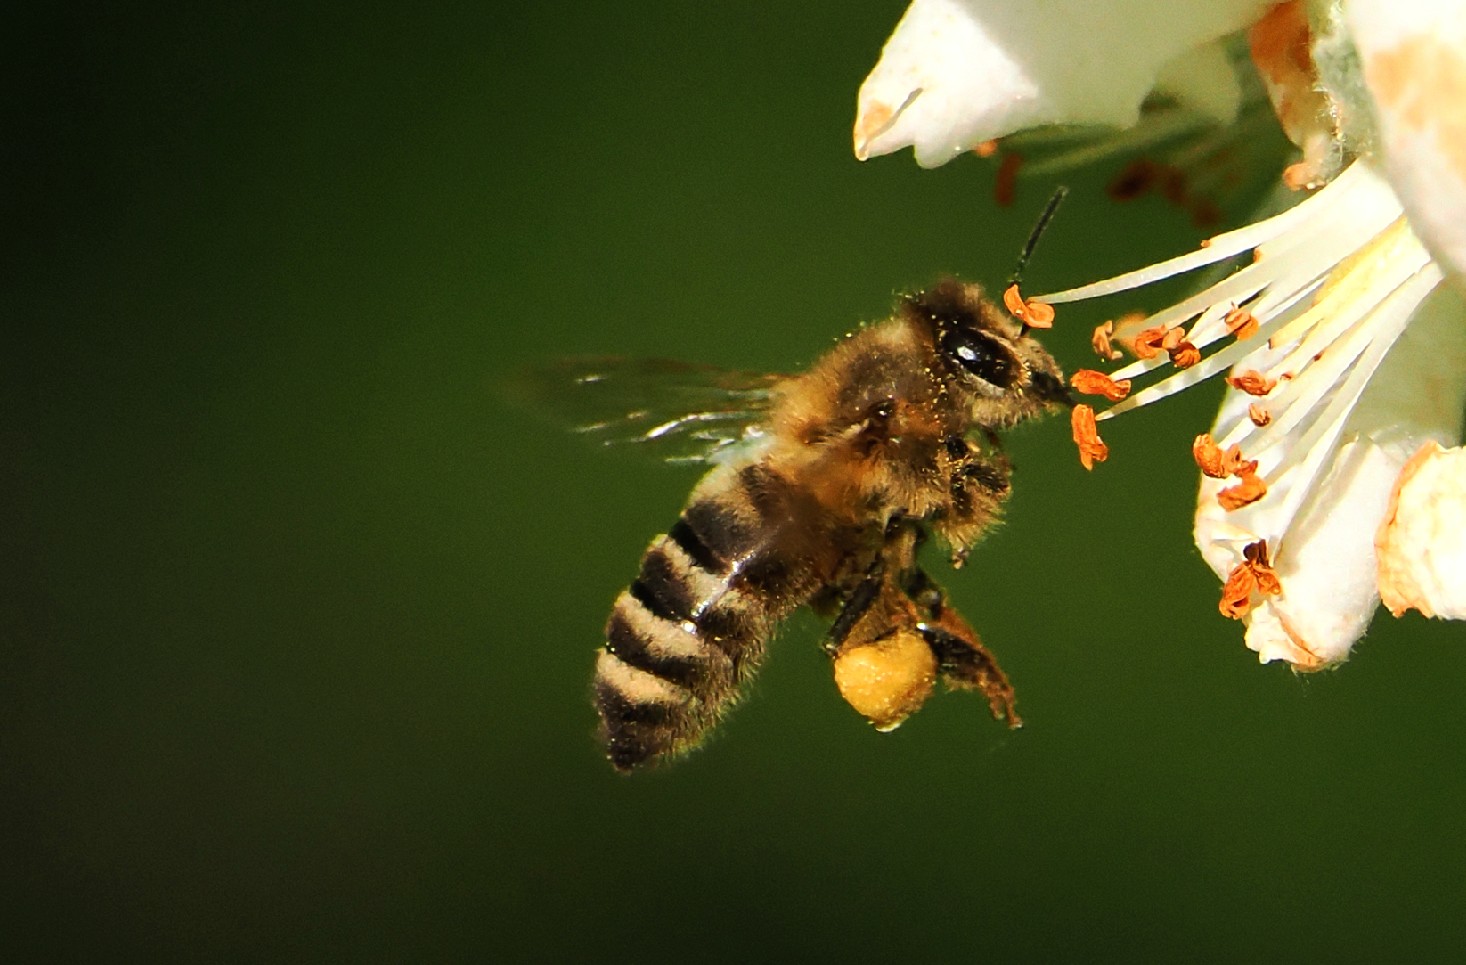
(1218, 464)
(1184, 355)
(1103, 344)
(1256, 557)
(986, 148)
(1260, 417)
(1240, 323)
(1234, 465)
(1252, 382)
(1173, 339)
(1092, 448)
(1237, 592)
(1031, 312)
(1208, 456)
(1255, 574)
(1147, 343)
(1091, 382)
(1250, 489)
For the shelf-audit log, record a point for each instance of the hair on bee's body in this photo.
(887, 436)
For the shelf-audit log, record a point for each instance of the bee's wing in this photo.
(675, 411)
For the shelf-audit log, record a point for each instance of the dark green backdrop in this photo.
(298, 618)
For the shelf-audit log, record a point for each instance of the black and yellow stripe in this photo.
(693, 624)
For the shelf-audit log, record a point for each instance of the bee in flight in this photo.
(823, 488)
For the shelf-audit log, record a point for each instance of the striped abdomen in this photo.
(692, 627)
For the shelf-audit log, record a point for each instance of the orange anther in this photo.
(1031, 312)
(1252, 488)
(1090, 382)
(1256, 556)
(1208, 456)
(1102, 344)
(1237, 592)
(1092, 448)
(1240, 323)
(1173, 338)
(1040, 314)
(1234, 465)
(1259, 416)
(1254, 574)
(1185, 355)
(1147, 343)
(1252, 382)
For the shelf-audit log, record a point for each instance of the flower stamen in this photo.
(1241, 324)
(1184, 355)
(1147, 344)
(1252, 488)
(1103, 346)
(1091, 382)
(1208, 456)
(1255, 574)
(1256, 556)
(1252, 382)
(1092, 448)
(1237, 592)
(1029, 311)
(1234, 465)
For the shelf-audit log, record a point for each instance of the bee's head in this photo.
(985, 357)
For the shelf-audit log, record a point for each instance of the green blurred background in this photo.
(298, 617)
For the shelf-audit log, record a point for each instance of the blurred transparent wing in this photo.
(679, 412)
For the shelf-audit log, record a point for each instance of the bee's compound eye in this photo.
(983, 356)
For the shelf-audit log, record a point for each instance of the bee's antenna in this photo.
(1038, 229)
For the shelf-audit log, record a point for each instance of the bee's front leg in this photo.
(978, 483)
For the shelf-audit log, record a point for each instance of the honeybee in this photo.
(824, 486)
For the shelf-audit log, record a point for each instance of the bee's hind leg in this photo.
(855, 605)
(884, 667)
(962, 660)
(894, 635)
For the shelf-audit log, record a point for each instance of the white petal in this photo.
(1413, 56)
(1204, 80)
(1422, 544)
(1328, 569)
(956, 73)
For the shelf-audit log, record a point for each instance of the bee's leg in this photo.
(856, 605)
(978, 483)
(884, 666)
(962, 660)
(896, 556)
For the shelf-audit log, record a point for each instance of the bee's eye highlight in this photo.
(983, 356)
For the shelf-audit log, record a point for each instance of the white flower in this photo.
(1346, 350)
(956, 73)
